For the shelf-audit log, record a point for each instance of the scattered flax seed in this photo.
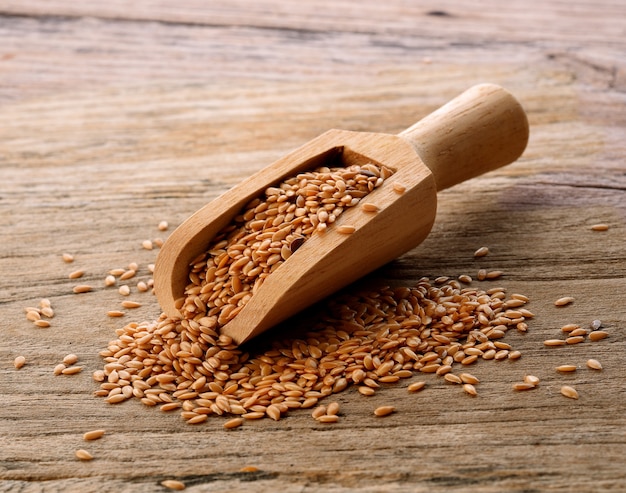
(47, 311)
(513, 355)
(163, 225)
(470, 389)
(554, 342)
(596, 335)
(72, 370)
(129, 274)
(68, 258)
(578, 332)
(452, 378)
(318, 411)
(594, 364)
(33, 315)
(173, 484)
(328, 418)
(93, 435)
(109, 280)
(399, 188)
(116, 272)
(600, 227)
(70, 359)
(249, 469)
(569, 328)
(523, 386)
(531, 379)
(83, 455)
(147, 244)
(142, 287)
(569, 392)
(416, 386)
(19, 362)
(332, 409)
(58, 369)
(469, 378)
(369, 207)
(130, 304)
(233, 423)
(564, 301)
(82, 288)
(481, 252)
(575, 339)
(124, 290)
(76, 274)
(566, 368)
(494, 274)
(41, 323)
(481, 275)
(115, 313)
(465, 279)
(158, 242)
(384, 410)
(346, 229)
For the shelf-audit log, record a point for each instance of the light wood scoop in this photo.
(482, 129)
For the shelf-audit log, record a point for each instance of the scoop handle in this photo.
(480, 130)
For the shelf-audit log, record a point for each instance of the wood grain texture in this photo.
(115, 118)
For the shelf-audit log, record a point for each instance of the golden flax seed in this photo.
(594, 364)
(569, 392)
(93, 435)
(147, 245)
(564, 301)
(531, 379)
(481, 252)
(328, 418)
(523, 386)
(416, 386)
(72, 370)
(115, 313)
(346, 229)
(575, 339)
(600, 227)
(598, 335)
(554, 342)
(82, 288)
(58, 369)
(124, 290)
(19, 362)
(68, 258)
(384, 410)
(130, 304)
(70, 359)
(83, 455)
(41, 323)
(76, 274)
(233, 423)
(470, 389)
(566, 368)
(173, 484)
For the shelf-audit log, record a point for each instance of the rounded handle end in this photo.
(480, 130)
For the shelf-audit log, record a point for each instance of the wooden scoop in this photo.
(480, 130)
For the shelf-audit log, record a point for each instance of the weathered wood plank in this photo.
(99, 141)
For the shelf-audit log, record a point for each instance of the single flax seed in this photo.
(19, 362)
(594, 364)
(93, 435)
(173, 484)
(481, 252)
(68, 258)
(384, 410)
(569, 392)
(564, 301)
(76, 274)
(83, 455)
(82, 288)
(600, 227)
(596, 335)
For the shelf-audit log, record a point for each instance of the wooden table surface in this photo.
(117, 115)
